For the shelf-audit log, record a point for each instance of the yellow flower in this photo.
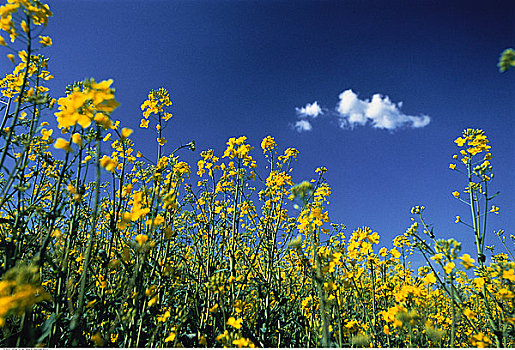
(494, 209)
(62, 144)
(108, 163)
(24, 26)
(437, 257)
(103, 120)
(479, 282)
(480, 340)
(161, 141)
(11, 57)
(141, 239)
(77, 139)
(458, 219)
(243, 343)
(321, 170)
(373, 238)
(181, 168)
(452, 166)
(460, 142)
(456, 194)
(386, 329)
(126, 133)
(46, 134)
(467, 261)
(430, 278)
(114, 337)
(91, 303)
(214, 308)
(153, 301)
(236, 323)
(509, 275)
(170, 337)
(164, 316)
(45, 40)
(2, 41)
(395, 253)
(143, 123)
(449, 267)
(268, 144)
(167, 116)
(469, 314)
(505, 294)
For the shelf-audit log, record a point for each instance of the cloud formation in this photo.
(310, 110)
(302, 125)
(380, 112)
(351, 111)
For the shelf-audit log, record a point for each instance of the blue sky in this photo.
(248, 68)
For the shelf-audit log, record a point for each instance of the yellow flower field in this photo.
(100, 246)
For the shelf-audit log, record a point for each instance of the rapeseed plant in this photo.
(101, 246)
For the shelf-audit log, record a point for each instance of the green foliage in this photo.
(506, 60)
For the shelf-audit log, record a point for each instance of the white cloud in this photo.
(380, 111)
(302, 125)
(310, 110)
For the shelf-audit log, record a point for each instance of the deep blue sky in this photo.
(242, 67)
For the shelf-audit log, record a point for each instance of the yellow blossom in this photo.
(214, 308)
(236, 323)
(430, 278)
(114, 337)
(243, 343)
(479, 282)
(62, 144)
(509, 275)
(268, 144)
(144, 123)
(469, 314)
(108, 163)
(77, 139)
(467, 261)
(460, 142)
(171, 336)
(395, 253)
(45, 40)
(126, 133)
(46, 134)
(24, 26)
(449, 267)
(141, 239)
(383, 251)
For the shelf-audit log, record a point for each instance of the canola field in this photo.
(100, 246)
